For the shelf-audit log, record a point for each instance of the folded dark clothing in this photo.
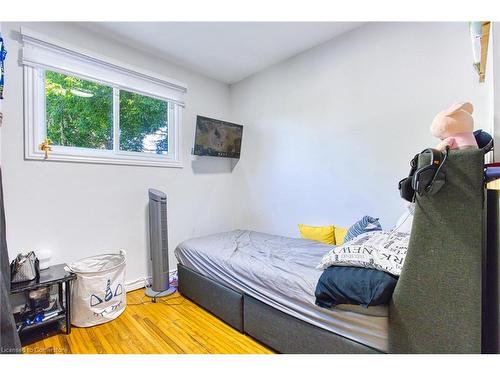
(354, 285)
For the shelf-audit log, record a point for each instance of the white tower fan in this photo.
(158, 245)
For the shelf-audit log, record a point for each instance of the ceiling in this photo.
(225, 51)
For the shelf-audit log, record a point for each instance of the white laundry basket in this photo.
(98, 293)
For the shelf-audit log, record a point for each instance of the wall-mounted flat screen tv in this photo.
(217, 138)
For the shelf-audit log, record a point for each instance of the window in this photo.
(80, 113)
(95, 111)
(143, 123)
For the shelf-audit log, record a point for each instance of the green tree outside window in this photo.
(79, 113)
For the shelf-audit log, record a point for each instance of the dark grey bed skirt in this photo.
(276, 329)
(224, 302)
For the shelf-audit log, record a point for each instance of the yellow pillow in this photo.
(340, 235)
(322, 234)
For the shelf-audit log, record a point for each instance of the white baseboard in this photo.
(142, 282)
(131, 285)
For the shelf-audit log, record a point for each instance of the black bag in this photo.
(24, 268)
(426, 179)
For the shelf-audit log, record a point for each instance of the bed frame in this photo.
(281, 332)
(437, 304)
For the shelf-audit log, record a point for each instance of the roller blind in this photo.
(38, 51)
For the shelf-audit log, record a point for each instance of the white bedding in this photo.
(380, 250)
(281, 272)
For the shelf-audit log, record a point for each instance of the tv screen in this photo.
(217, 138)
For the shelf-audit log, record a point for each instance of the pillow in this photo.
(366, 224)
(354, 285)
(340, 235)
(384, 251)
(405, 221)
(322, 234)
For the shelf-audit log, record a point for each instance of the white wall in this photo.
(330, 132)
(77, 210)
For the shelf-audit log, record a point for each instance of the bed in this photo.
(280, 272)
(263, 285)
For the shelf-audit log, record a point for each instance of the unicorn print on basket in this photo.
(106, 297)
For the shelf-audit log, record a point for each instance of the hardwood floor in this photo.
(172, 325)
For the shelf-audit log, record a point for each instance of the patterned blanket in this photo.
(380, 250)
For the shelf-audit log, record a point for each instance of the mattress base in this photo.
(290, 335)
(220, 300)
(274, 328)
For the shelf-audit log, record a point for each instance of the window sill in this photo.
(144, 161)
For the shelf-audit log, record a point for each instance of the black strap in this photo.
(436, 174)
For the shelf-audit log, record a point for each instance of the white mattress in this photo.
(281, 272)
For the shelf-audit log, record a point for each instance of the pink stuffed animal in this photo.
(454, 127)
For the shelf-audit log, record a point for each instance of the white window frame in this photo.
(40, 56)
